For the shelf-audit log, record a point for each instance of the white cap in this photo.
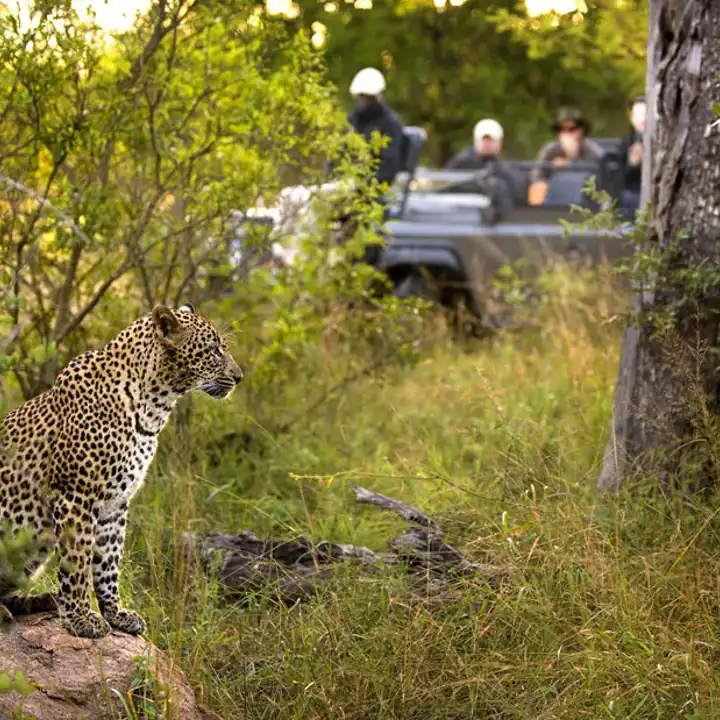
(489, 128)
(368, 81)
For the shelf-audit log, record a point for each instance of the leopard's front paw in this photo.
(89, 624)
(127, 621)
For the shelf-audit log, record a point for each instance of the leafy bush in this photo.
(124, 160)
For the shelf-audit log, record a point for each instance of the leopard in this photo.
(73, 457)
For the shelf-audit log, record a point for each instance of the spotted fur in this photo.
(72, 458)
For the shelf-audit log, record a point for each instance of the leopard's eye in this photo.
(216, 352)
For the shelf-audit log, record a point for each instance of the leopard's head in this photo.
(195, 355)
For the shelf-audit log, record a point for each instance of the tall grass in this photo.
(611, 607)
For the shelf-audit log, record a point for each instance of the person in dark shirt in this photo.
(484, 155)
(571, 145)
(371, 114)
(631, 152)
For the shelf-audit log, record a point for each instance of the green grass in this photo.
(611, 607)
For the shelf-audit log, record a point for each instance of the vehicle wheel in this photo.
(464, 323)
(578, 258)
(414, 285)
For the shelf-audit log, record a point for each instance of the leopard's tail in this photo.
(17, 605)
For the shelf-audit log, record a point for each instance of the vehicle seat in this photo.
(565, 187)
(608, 144)
(413, 142)
(521, 183)
(612, 176)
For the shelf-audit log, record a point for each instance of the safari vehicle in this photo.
(446, 238)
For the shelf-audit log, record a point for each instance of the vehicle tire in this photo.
(414, 285)
(578, 258)
(464, 323)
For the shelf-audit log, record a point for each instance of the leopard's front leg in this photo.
(74, 528)
(109, 541)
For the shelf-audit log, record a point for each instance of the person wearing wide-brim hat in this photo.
(570, 145)
(570, 117)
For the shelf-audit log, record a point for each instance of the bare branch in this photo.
(160, 31)
(406, 512)
(90, 306)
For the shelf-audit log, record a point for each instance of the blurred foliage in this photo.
(15, 683)
(447, 68)
(16, 551)
(123, 162)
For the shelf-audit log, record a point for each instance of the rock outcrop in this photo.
(81, 679)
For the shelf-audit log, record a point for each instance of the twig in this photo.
(45, 203)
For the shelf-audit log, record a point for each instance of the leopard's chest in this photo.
(138, 462)
(131, 472)
(147, 417)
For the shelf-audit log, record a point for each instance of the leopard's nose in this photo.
(238, 375)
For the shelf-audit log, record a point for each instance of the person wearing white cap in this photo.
(484, 154)
(487, 144)
(371, 114)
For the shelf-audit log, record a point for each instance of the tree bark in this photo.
(667, 385)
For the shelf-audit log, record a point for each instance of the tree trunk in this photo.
(668, 384)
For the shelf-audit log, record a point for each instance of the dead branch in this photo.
(406, 512)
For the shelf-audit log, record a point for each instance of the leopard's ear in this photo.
(167, 326)
(187, 307)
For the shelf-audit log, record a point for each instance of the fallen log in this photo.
(246, 566)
